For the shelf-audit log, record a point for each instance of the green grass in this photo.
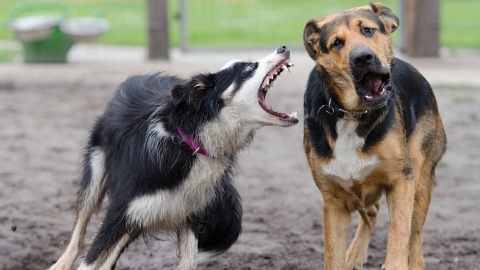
(248, 23)
(460, 23)
(126, 17)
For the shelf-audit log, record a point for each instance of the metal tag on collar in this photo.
(196, 151)
(329, 110)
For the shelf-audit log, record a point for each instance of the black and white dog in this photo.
(164, 150)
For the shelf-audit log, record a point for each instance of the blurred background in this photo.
(244, 24)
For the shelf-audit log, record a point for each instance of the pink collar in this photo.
(192, 143)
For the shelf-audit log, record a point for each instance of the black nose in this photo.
(362, 56)
(282, 49)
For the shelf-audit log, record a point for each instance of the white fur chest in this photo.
(168, 208)
(346, 165)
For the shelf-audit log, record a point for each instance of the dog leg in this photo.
(113, 256)
(423, 195)
(188, 248)
(76, 243)
(336, 225)
(400, 200)
(112, 238)
(89, 199)
(357, 251)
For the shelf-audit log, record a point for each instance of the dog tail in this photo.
(221, 224)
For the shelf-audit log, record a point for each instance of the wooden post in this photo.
(158, 37)
(421, 28)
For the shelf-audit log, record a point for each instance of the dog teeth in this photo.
(293, 114)
(269, 81)
(284, 67)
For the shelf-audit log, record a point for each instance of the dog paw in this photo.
(356, 258)
(355, 264)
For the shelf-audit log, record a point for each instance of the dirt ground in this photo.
(45, 115)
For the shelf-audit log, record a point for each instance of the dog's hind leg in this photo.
(90, 196)
(114, 235)
(188, 248)
(117, 251)
(423, 194)
(357, 251)
(400, 200)
(112, 257)
(426, 152)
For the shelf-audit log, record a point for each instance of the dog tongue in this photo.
(373, 82)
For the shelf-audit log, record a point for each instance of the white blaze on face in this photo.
(246, 98)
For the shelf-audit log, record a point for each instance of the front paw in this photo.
(356, 258)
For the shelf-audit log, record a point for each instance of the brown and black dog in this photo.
(372, 126)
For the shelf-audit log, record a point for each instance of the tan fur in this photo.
(404, 172)
(336, 63)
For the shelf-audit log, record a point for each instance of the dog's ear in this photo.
(387, 16)
(193, 91)
(179, 94)
(188, 93)
(311, 39)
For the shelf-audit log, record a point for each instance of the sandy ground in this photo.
(47, 110)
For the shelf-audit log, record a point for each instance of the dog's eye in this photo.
(367, 31)
(338, 44)
(249, 67)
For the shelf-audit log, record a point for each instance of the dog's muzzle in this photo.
(372, 78)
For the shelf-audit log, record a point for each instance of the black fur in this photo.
(134, 169)
(220, 225)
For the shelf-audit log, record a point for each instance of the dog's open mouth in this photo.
(267, 83)
(376, 88)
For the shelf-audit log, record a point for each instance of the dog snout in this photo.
(282, 49)
(362, 57)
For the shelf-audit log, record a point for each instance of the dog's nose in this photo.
(362, 56)
(282, 49)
